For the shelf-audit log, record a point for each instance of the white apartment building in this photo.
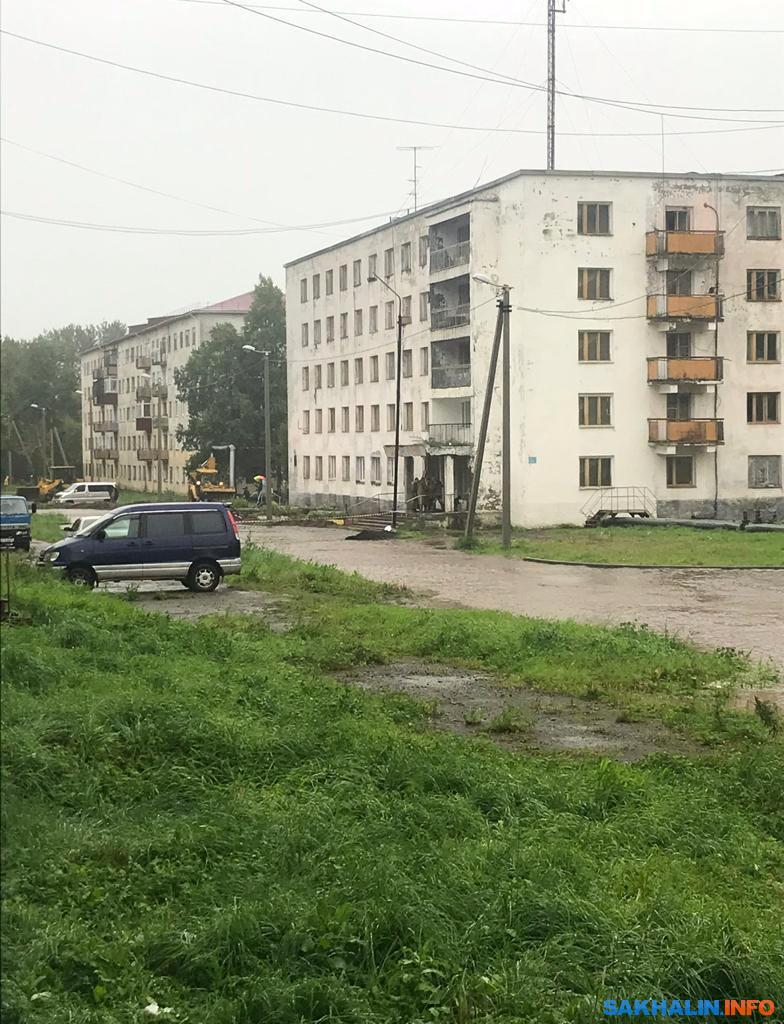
(628, 367)
(130, 409)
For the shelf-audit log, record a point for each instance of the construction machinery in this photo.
(204, 485)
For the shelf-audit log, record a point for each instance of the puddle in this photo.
(476, 704)
(172, 599)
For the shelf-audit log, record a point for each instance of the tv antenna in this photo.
(553, 7)
(415, 150)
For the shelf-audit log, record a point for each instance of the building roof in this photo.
(460, 197)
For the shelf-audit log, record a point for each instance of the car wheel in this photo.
(82, 576)
(204, 577)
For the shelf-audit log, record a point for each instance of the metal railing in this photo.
(143, 362)
(452, 316)
(143, 393)
(612, 500)
(450, 256)
(450, 433)
(149, 454)
(691, 307)
(451, 376)
(106, 453)
(684, 243)
(105, 426)
(663, 369)
(691, 431)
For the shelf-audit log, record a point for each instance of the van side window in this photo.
(125, 526)
(164, 524)
(98, 488)
(209, 521)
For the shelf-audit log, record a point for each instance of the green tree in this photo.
(223, 386)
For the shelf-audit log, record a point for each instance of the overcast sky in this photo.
(259, 162)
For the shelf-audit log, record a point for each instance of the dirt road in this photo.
(724, 608)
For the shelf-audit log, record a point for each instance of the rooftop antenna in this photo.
(553, 7)
(414, 150)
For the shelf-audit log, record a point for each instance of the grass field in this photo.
(201, 816)
(48, 527)
(660, 545)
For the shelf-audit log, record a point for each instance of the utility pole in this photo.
(267, 437)
(397, 411)
(506, 458)
(553, 8)
(414, 150)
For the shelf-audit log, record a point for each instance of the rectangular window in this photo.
(593, 346)
(424, 305)
(346, 467)
(677, 218)
(330, 329)
(331, 420)
(405, 257)
(407, 369)
(343, 277)
(328, 282)
(374, 368)
(763, 285)
(596, 471)
(424, 416)
(389, 262)
(764, 471)
(593, 283)
(678, 282)
(305, 378)
(316, 332)
(408, 416)
(762, 407)
(306, 467)
(424, 361)
(424, 246)
(762, 346)
(763, 222)
(595, 410)
(319, 421)
(357, 322)
(359, 419)
(317, 286)
(391, 416)
(679, 407)
(679, 345)
(303, 290)
(680, 471)
(593, 218)
(390, 470)
(344, 419)
(360, 469)
(317, 379)
(372, 265)
(305, 328)
(389, 315)
(319, 467)
(344, 373)
(330, 375)
(375, 417)
(375, 469)
(332, 467)
(343, 325)
(405, 309)
(357, 268)
(389, 362)
(373, 320)
(359, 371)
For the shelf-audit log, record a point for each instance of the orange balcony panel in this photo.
(700, 368)
(684, 243)
(706, 431)
(685, 307)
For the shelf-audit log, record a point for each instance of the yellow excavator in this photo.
(203, 483)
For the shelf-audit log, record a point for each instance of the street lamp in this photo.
(42, 408)
(371, 279)
(267, 427)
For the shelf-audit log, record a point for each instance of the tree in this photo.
(224, 386)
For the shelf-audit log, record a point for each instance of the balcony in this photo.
(105, 391)
(144, 423)
(450, 433)
(451, 316)
(159, 359)
(160, 390)
(160, 423)
(695, 370)
(449, 256)
(110, 360)
(106, 453)
(149, 454)
(105, 426)
(451, 376)
(143, 393)
(143, 362)
(450, 364)
(662, 244)
(684, 307)
(703, 431)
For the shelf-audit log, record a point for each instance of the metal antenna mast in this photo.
(553, 8)
(414, 150)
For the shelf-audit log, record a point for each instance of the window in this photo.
(391, 416)
(345, 467)
(677, 218)
(317, 286)
(374, 368)
(679, 407)
(344, 373)
(332, 467)
(330, 329)
(595, 410)
(360, 469)
(596, 471)
(359, 419)
(389, 262)
(593, 346)
(407, 365)
(343, 325)
(424, 361)
(424, 245)
(319, 467)
(375, 417)
(303, 291)
(680, 471)
(593, 218)
(357, 267)
(305, 335)
(316, 332)
(319, 421)
(373, 320)
(331, 421)
(408, 416)
(375, 469)
(762, 346)
(389, 315)
(330, 375)
(357, 322)
(305, 378)
(424, 305)
(678, 282)
(405, 309)
(125, 526)
(390, 469)
(328, 282)
(344, 419)
(343, 277)
(317, 381)
(372, 265)
(762, 407)
(164, 524)
(763, 222)
(763, 285)
(405, 257)
(359, 371)
(679, 345)
(389, 362)
(424, 415)
(764, 471)
(593, 283)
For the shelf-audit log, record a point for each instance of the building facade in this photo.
(130, 408)
(646, 333)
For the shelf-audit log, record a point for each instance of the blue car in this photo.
(15, 513)
(196, 543)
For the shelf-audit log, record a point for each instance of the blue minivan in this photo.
(196, 543)
(15, 513)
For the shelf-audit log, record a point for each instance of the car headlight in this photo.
(53, 556)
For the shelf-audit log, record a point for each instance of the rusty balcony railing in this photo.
(684, 307)
(451, 376)
(694, 431)
(144, 423)
(696, 369)
(452, 316)
(450, 433)
(450, 256)
(684, 243)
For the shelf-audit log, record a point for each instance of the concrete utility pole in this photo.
(553, 8)
(371, 279)
(267, 437)
(506, 487)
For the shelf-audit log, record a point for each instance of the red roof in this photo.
(237, 304)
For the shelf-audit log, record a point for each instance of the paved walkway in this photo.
(726, 608)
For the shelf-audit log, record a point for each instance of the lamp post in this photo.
(42, 408)
(267, 427)
(371, 279)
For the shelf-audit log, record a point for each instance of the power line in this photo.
(757, 125)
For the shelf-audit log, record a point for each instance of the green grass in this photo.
(198, 814)
(135, 497)
(660, 545)
(48, 526)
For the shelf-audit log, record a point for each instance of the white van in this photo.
(88, 492)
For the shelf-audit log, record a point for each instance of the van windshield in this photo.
(12, 506)
(95, 524)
